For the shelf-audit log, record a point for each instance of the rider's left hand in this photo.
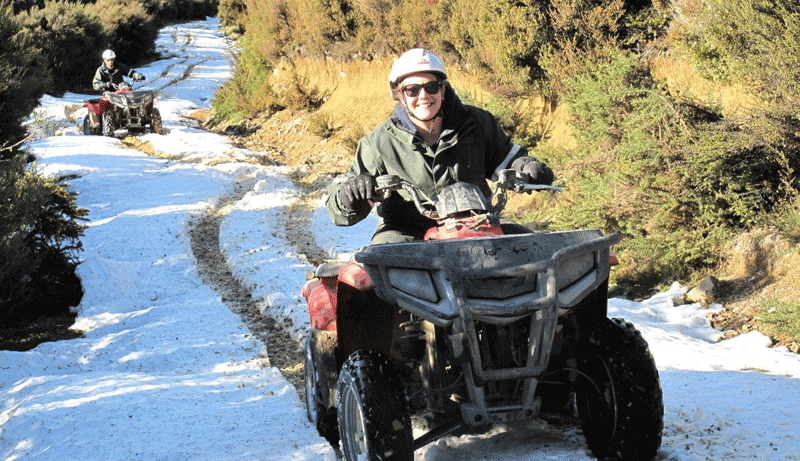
(138, 77)
(538, 172)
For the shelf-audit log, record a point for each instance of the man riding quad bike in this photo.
(120, 106)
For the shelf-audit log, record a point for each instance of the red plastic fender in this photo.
(98, 106)
(462, 231)
(612, 258)
(321, 297)
(355, 276)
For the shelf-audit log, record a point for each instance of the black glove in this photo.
(355, 192)
(536, 171)
(137, 76)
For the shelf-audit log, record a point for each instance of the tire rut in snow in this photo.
(298, 225)
(284, 353)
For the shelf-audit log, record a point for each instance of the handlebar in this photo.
(507, 180)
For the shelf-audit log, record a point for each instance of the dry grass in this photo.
(682, 78)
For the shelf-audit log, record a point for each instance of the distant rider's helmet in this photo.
(411, 62)
(108, 54)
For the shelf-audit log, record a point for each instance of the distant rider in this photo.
(111, 73)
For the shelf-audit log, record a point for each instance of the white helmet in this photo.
(108, 54)
(413, 61)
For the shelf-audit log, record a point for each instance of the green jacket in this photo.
(105, 75)
(471, 147)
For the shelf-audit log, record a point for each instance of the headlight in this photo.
(412, 282)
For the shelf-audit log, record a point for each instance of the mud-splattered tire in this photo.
(313, 407)
(156, 125)
(374, 422)
(87, 126)
(619, 395)
(108, 124)
(319, 414)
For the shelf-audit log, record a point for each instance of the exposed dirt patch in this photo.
(760, 269)
(27, 335)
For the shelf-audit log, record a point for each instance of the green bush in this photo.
(40, 234)
(318, 24)
(232, 14)
(24, 77)
(249, 91)
(269, 30)
(673, 177)
(130, 28)
(65, 34)
(168, 11)
(753, 43)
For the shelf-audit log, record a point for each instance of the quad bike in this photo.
(123, 108)
(471, 327)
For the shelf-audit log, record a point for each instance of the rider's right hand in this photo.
(356, 191)
(534, 171)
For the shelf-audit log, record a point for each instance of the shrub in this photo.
(249, 91)
(24, 77)
(167, 11)
(130, 28)
(65, 34)
(674, 177)
(322, 125)
(39, 241)
(755, 44)
(503, 39)
(269, 28)
(317, 24)
(232, 14)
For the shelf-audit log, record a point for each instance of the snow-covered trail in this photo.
(166, 371)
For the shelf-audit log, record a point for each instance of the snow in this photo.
(165, 371)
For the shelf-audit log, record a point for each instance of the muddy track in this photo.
(283, 352)
(297, 225)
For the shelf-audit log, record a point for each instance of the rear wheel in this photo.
(618, 394)
(87, 126)
(108, 124)
(374, 420)
(155, 121)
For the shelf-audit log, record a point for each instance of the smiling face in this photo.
(423, 106)
(109, 63)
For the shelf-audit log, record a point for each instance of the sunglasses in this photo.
(412, 91)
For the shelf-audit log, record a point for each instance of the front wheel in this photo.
(316, 370)
(108, 124)
(618, 394)
(374, 422)
(156, 125)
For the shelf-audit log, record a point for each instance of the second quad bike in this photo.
(123, 109)
(473, 326)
